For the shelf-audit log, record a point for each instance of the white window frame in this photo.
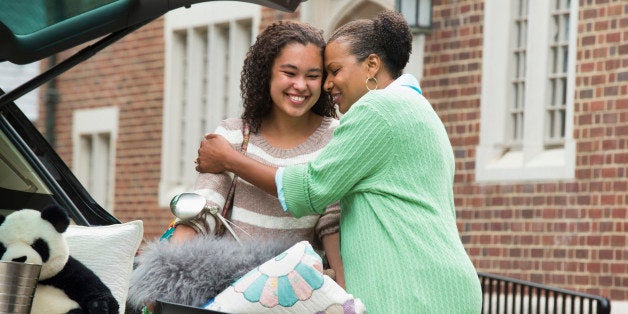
(494, 162)
(96, 123)
(415, 64)
(205, 94)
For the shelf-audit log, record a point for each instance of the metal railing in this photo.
(509, 296)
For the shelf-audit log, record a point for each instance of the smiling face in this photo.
(346, 76)
(296, 78)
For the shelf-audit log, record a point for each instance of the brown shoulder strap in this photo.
(226, 210)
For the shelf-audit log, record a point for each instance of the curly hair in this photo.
(386, 35)
(256, 72)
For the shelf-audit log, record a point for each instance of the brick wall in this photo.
(570, 233)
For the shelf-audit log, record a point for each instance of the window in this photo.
(205, 50)
(12, 76)
(415, 64)
(527, 91)
(94, 136)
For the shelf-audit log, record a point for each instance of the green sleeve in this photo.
(358, 149)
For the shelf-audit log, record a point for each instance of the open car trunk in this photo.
(32, 175)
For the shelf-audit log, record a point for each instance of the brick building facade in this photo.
(568, 232)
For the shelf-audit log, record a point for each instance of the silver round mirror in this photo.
(186, 206)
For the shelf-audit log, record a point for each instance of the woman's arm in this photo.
(182, 233)
(216, 155)
(352, 162)
(360, 144)
(331, 245)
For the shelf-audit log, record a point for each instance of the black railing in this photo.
(510, 296)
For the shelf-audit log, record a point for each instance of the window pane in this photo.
(181, 68)
(223, 56)
(409, 10)
(35, 15)
(518, 59)
(559, 50)
(204, 115)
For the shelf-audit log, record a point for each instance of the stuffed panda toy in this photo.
(65, 284)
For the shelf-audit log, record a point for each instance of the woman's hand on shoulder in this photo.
(213, 154)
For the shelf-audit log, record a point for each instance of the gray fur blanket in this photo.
(195, 271)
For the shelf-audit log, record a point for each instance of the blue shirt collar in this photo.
(407, 80)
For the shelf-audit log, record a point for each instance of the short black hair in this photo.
(387, 35)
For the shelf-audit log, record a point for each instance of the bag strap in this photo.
(228, 207)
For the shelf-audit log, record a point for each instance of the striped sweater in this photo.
(258, 212)
(391, 165)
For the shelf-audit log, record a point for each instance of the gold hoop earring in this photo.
(367, 83)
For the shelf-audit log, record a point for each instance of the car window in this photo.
(37, 15)
(20, 186)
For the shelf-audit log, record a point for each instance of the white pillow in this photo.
(291, 282)
(109, 252)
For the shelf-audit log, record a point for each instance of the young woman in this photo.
(281, 84)
(391, 165)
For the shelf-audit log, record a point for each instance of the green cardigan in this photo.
(391, 165)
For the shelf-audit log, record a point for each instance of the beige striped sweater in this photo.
(254, 210)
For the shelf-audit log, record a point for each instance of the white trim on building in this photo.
(549, 37)
(94, 137)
